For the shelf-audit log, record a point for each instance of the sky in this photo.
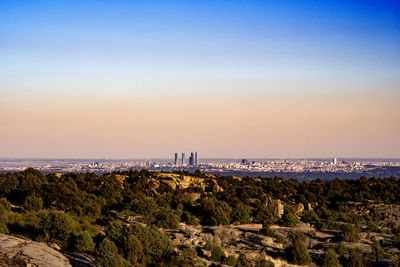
(146, 79)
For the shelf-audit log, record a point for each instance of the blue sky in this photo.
(126, 41)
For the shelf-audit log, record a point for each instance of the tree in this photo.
(297, 252)
(7, 184)
(117, 231)
(355, 258)
(330, 259)
(377, 252)
(54, 225)
(289, 220)
(156, 245)
(33, 202)
(262, 262)
(349, 233)
(133, 250)
(217, 254)
(240, 213)
(166, 218)
(230, 260)
(242, 261)
(309, 216)
(108, 256)
(84, 243)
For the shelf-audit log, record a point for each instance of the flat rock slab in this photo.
(29, 253)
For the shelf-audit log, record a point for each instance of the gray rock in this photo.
(30, 252)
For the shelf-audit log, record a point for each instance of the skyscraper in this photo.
(191, 159)
(334, 161)
(195, 159)
(176, 159)
(183, 159)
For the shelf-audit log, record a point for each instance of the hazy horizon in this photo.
(245, 79)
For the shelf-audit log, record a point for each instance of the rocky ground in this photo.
(235, 239)
(18, 252)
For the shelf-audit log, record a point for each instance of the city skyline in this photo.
(243, 79)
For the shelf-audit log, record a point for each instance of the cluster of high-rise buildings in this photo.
(193, 160)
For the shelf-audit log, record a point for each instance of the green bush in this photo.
(84, 243)
(349, 233)
(297, 252)
(355, 258)
(262, 262)
(330, 259)
(5, 206)
(133, 250)
(242, 261)
(372, 227)
(280, 239)
(156, 245)
(290, 220)
(54, 225)
(230, 260)
(266, 230)
(189, 218)
(208, 246)
(33, 202)
(217, 254)
(3, 228)
(309, 216)
(166, 218)
(377, 252)
(108, 256)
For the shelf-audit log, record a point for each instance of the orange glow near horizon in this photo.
(216, 125)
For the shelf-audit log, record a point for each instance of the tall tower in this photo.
(183, 158)
(176, 159)
(334, 161)
(195, 159)
(191, 162)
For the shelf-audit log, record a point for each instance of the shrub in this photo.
(108, 255)
(349, 233)
(133, 250)
(297, 252)
(309, 216)
(242, 261)
(372, 227)
(54, 225)
(355, 258)
(33, 203)
(230, 260)
(189, 218)
(377, 252)
(289, 220)
(262, 262)
(116, 231)
(280, 239)
(166, 218)
(266, 230)
(5, 206)
(156, 245)
(84, 243)
(330, 259)
(217, 254)
(3, 228)
(208, 246)
(341, 250)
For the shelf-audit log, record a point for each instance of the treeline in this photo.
(83, 212)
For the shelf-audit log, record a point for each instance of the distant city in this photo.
(303, 169)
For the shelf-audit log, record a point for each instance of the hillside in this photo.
(144, 218)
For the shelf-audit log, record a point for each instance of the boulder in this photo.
(277, 208)
(298, 208)
(19, 252)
